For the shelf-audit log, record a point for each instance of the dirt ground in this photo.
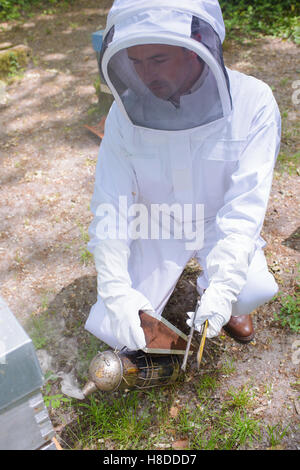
(47, 173)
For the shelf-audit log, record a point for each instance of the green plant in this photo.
(205, 386)
(83, 232)
(9, 10)
(228, 367)
(142, 420)
(288, 163)
(228, 427)
(53, 401)
(85, 255)
(240, 397)
(268, 390)
(14, 65)
(14, 10)
(243, 429)
(56, 401)
(37, 330)
(245, 18)
(121, 420)
(276, 433)
(223, 429)
(288, 314)
(184, 422)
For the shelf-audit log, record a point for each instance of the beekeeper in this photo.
(184, 170)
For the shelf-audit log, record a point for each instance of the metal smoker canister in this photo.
(110, 370)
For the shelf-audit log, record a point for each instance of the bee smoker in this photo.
(158, 364)
(111, 370)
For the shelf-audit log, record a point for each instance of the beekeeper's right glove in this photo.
(122, 302)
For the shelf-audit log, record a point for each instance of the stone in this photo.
(3, 94)
(5, 45)
(13, 59)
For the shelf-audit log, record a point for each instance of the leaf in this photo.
(174, 411)
(297, 406)
(295, 385)
(180, 444)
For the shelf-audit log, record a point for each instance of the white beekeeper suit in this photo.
(213, 148)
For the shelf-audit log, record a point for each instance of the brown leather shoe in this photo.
(240, 328)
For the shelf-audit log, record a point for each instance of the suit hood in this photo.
(207, 10)
(149, 93)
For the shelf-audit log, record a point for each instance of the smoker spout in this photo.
(90, 387)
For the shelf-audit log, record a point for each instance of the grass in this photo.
(240, 398)
(228, 367)
(206, 386)
(288, 163)
(38, 325)
(141, 420)
(288, 160)
(288, 314)
(230, 426)
(276, 433)
(121, 420)
(37, 330)
(84, 255)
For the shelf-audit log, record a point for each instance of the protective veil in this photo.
(189, 140)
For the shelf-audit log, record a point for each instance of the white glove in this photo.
(125, 319)
(214, 307)
(227, 267)
(122, 302)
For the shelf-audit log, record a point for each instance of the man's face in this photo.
(168, 71)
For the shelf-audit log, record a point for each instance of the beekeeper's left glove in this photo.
(226, 270)
(214, 307)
